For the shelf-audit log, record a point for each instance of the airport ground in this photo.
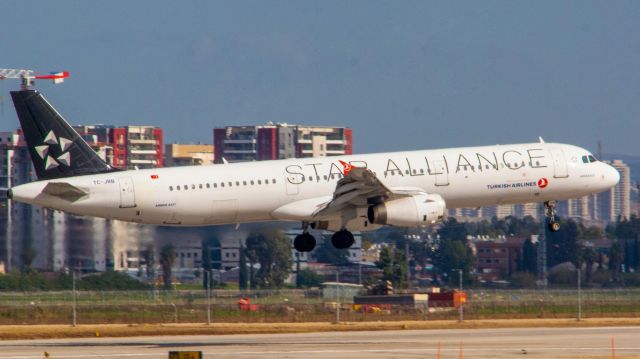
(496, 343)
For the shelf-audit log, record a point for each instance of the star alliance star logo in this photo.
(44, 151)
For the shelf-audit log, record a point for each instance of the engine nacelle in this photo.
(420, 210)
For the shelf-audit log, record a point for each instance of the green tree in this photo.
(453, 255)
(393, 263)
(327, 253)
(148, 257)
(562, 246)
(167, 259)
(206, 265)
(616, 259)
(243, 275)
(272, 250)
(308, 278)
(529, 257)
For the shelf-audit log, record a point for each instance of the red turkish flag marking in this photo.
(347, 167)
(543, 182)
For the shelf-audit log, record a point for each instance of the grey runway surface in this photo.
(476, 343)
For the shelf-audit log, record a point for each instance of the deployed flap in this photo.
(361, 188)
(65, 191)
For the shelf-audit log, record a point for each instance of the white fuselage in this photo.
(255, 191)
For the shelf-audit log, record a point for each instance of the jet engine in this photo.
(414, 211)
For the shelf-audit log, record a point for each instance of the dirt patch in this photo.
(124, 330)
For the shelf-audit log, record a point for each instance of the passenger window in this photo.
(422, 171)
(193, 186)
(252, 182)
(221, 184)
(208, 186)
(200, 186)
(244, 183)
(406, 172)
(259, 182)
(331, 176)
(238, 183)
(215, 185)
(230, 184)
(273, 181)
(310, 178)
(170, 188)
(325, 177)
(186, 187)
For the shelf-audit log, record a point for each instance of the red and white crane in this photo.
(27, 76)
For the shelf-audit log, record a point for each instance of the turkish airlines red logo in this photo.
(543, 182)
(347, 167)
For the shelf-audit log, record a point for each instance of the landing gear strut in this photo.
(342, 239)
(550, 209)
(304, 242)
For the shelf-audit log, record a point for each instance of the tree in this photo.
(167, 259)
(308, 278)
(616, 258)
(206, 266)
(149, 260)
(393, 263)
(529, 257)
(272, 250)
(242, 276)
(453, 255)
(562, 246)
(327, 253)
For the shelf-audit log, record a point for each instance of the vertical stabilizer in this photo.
(56, 148)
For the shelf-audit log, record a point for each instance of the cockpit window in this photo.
(592, 159)
(588, 159)
(585, 159)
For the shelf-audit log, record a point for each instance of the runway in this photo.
(474, 343)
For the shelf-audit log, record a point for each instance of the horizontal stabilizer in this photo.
(65, 191)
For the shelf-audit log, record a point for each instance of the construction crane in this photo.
(27, 76)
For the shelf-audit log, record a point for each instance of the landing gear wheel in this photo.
(304, 242)
(550, 209)
(342, 239)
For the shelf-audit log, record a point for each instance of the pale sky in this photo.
(404, 75)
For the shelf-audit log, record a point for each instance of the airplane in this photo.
(340, 194)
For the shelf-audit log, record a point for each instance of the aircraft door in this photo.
(127, 192)
(560, 169)
(291, 182)
(440, 171)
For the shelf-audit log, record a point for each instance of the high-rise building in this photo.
(188, 155)
(127, 147)
(615, 204)
(279, 141)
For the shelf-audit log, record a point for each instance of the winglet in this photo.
(540, 139)
(347, 167)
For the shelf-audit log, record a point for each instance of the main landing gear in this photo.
(305, 242)
(550, 209)
(342, 239)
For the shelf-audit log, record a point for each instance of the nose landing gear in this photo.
(550, 209)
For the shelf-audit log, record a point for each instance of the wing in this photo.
(361, 188)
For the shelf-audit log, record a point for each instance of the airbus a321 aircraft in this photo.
(339, 194)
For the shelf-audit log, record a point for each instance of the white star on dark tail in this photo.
(44, 150)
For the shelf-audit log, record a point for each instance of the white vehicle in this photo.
(340, 194)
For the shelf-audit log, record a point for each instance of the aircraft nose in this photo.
(611, 176)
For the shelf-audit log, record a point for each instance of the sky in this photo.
(404, 75)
